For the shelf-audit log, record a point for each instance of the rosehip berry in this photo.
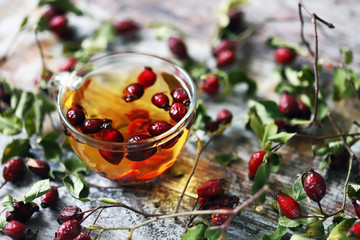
(158, 128)
(256, 160)
(211, 85)
(177, 111)
(356, 203)
(314, 185)
(219, 218)
(69, 213)
(224, 44)
(133, 92)
(22, 212)
(39, 167)
(339, 160)
(50, 199)
(83, 236)
(178, 48)
(52, 12)
(147, 77)
(304, 110)
(142, 154)
(13, 169)
(289, 207)
(15, 229)
(180, 95)
(94, 125)
(354, 231)
(225, 58)
(58, 25)
(75, 115)
(235, 21)
(211, 127)
(219, 201)
(224, 116)
(68, 65)
(284, 55)
(212, 188)
(161, 101)
(68, 230)
(126, 27)
(289, 106)
(112, 135)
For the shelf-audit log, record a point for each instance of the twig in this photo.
(327, 136)
(97, 217)
(306, 43)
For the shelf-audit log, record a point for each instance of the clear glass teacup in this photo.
(117, 131)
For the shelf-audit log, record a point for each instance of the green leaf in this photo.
(109, 201)
(7, 202)
(29, 122)
(322, 110)
(75, 165)
(42, 106)
(281, 137)
(353, 191)
(277, 235)
(256, 125)
(238, 77)
(10, 124)
(298, 192)
(201, 118)
(270, 130)
(348, 55)
(213, 234)
(336, 147)
(292, 223)
(260, 180)
(195, 69)
(321, 151)
(36, 190)
(17, 148)
(42, 24)
(77, 186)
(324, 162)
(341, 229)
(24, 104)
(65, 5)
(277, 42)
(51, 147)
(342, 88)
(275, 161)
(316, 229)
(301, 236)
(268, 111)
(2, 222)
(225, 82)
(57, 174)
(195, 232)
(66, 145)
(226, 159)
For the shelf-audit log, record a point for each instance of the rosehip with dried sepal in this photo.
(83, 236)
(284, 55)
(142, 154)
(13, 169)
(289, 207)
(256, 160)
(15, 229)
(68, 65)
(178, 47)
(225, 58)
(211, 85)
(51, 198)
(212, 188)
(95, 125)
(133, 92)
(224, 116)
(220, 218)
(68, 230)
(22, 211)
(177, 111)
(314, 185)
(354, 231)
(38, 167)
(112, 135)
(181, 96)
(160, 100)
(289, 106)
(69, 213)
(75, 115)
(147, 77)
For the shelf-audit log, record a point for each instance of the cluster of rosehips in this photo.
(223, 117)
(212, 195)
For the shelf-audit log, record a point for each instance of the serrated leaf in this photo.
(292, 223)
(57, 174)
(226, 159)
(321, 151)
(201, 117)
(10, 124)
(7, 202)
(17, 148)
(77, 186)
(36, 190)
(75, 165)
(336, 147)
(348, 55)
(256, 125)
(268, 111)
(316, 228)
(341, 229)
(277, 235)
(342, 88)
(262, 174)
(25, 102)
(195, 232)
(213, 234)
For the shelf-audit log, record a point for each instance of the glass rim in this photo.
(177, 128)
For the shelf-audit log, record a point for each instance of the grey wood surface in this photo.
(197, 19)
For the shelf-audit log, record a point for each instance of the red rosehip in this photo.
(83, 236)
(112, 135)
(15, 229)
(356, 203)
(314, 185)
(256, 160)
(212, 188)
(340, 160)
(140, 155)
(224, 116)
(177, 111)
(50, 199)
(161, 101)
(219, 218)
(158, 128)
(180, 95)
(211, 127)
(178, 47)
(68, 230)
(38, 167)
(69, 213)
(235, 21)
(224, 44)
(289, 207)
(13, 169)
(289, 106)
(211, 85)
(225, 58)
(94, 125)
(58, 25)
(126, 27)
(52, 12)
(284, 55)
(147, 77)
(68, 65)
(304, 110)
(22, 212)
(75, 115)
(354, 231)
(133, 92)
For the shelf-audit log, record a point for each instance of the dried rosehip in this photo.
(22, 212)
(13, 169)
(126, 27)
(224, 44)
(133, 92)
(112, 135)
(220, 218)
(15, 229)
(69, 213)
(304, 110)
(83, 236)
(180, 95)
(75, 115)
(68, 230)
(50, 199)
(147, 77)
(211, 85)
(224, 116)
(68, 65)
(39, 167)
(158, 128)
(314, 185)
(225, 58)
(161, 101)
(178, 47)
(256, 160)
(289, 106)
(138, 126)
(143, 154)
(354, 231)
(94, 125)
(177, 111)
(289, 207)
(212, 188)
(284, 55)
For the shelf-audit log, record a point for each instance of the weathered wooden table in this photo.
(197, 19)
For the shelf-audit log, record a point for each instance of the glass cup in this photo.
(98, 89)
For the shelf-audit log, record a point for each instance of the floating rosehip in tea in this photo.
(284, 55)
(95, 125)
(68, 230)
(69, 213)
(133, 92)
(15, 229)
(112, 135)
(256, 160)
(126, 27)
(354, 231)
(177, 111)
(314, 185)
(22, 211)
(211, 85)
(289, 207)
(212, 188)
(181, 96)
(13, 169)
(225, 58)
(224, 116)
(75, 115)
(50, 199)
(178, 47)
(142, 154)
(158, 128)
(147, 77)
(161, 101)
